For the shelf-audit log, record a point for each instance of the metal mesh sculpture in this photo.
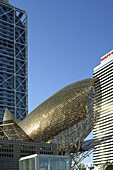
(72, 138)
(66, 118)
(60, 113)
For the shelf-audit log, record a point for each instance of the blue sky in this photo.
(66, 39)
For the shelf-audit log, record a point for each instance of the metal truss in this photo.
(79, 156)
(6, 1)
(13, 61)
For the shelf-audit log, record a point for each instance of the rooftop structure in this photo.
(13, 61)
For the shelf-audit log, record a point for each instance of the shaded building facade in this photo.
(13, 61)
(11, 151)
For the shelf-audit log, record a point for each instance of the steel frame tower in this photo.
(103, 96)
(13, 60)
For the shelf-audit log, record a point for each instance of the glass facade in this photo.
(32, 164)
(13, 61)
(45, 162)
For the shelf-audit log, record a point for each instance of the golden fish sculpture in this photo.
(59, 112)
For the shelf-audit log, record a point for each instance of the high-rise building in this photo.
(13, 60)
(103, 128)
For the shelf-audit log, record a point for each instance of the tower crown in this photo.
(6, 1)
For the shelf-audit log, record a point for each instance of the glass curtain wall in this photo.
(45, 163)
